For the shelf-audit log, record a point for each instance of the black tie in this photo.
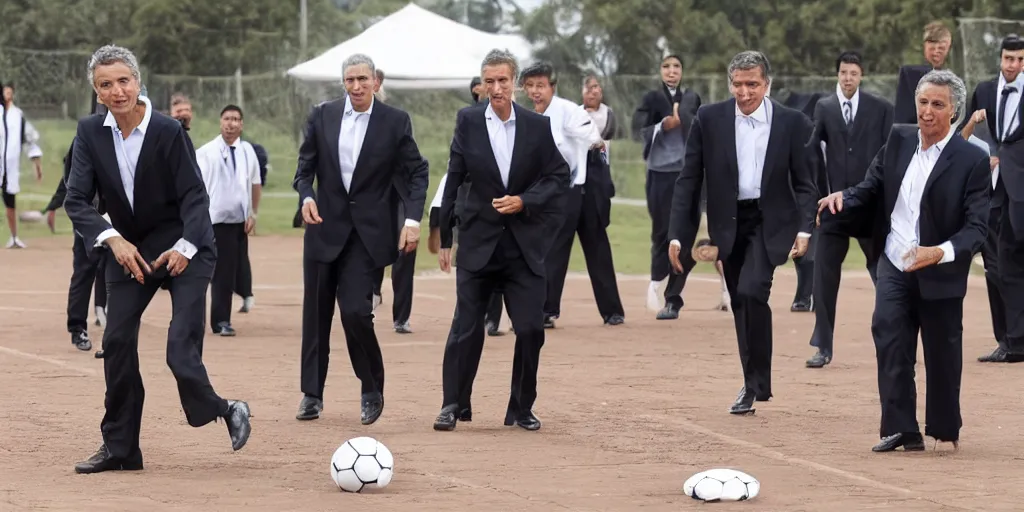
(1001, 115)
(234, 165)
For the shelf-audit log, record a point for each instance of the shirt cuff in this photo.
(106, 234)
(676, 243)
(185, 248)
(412, 223)
(307, 200)
(803, 235)
(947, 253)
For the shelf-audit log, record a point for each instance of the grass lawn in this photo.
(629, 231)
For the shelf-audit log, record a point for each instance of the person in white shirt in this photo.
(576, 134)
(15, 133)
(929, 191)
(231, 173)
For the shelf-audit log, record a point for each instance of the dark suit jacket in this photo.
(788, 193)
(656, 105)
(169, 195)
(905, 110)
(954, 208)
(849, 150)
(371, 207)
(538, 175)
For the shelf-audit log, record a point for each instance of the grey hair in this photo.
(587, 78)
(948, 79)
(749, 60)
(357, 59)
(111, 54)
(497, 57)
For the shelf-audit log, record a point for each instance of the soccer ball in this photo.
(721, 485)
(361, 461)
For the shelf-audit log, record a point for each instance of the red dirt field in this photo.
(629, 412)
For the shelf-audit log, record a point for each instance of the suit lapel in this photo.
(906, 153)
(863, 111)
(942, 165)
(108, 162)
(518, 149)
(149, 144)
(368, 140)
(730, 135)
(332, 132)
(771, 153)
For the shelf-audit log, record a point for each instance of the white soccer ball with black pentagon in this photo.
(362, 461)
(721, 485)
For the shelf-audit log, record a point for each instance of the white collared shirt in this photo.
(502, 135)
(439, 194)
(350, 141)
(127, 151)
(752, 133)
(574, 133)
(905, 230)
(229, 184)
(854, 102)
(1012, 112)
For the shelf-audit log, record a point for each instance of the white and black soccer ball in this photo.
(362, 461)
(722, 485)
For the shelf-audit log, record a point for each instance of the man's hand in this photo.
(508, 205)
(978, 116)
(434, 240)
(833, 201)
(922, 257)
(175, 261)
(38, 163)
(799, 247)
(51, 220)
(673, 257)
(672, 121)
(993, 162)
(444, 260)
(310, 214)
(250, 225)
(409, 239)
(128, 257)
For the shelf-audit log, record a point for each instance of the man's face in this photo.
(183, 113)
(935, 52)
(935, 110)
(849, 78)
(116, 87)
(540, 91)
(1010, 64)
(748, 86)
(671, 72)
(8, 93)
(592, 94)
(498, 82)
(360, 84)
(231, 125)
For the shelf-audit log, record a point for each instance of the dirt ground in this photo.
(629, 412)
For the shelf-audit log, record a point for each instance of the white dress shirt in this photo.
(128, 150)
(574, 133)
(752, 134)
(905, 230)
(502, 135)
(229, 182)
(854, 103)
(1012, 112)
(439, 194)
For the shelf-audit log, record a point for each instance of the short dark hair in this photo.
(1011, 43)
(380, 75)
(232, 108)
(179, 98)
(673, 56)
(540, 69)
(849, 57)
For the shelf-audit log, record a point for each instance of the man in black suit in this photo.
(854, 125)
(140, 163)
(358, 150)
(928, 191)
(996, 104)
(663, 121)
(753, 155)
(937, 42)
(512, 207)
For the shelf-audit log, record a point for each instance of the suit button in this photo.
(351, 202)
(850, 150)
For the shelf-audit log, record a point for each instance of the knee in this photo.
(756, 293)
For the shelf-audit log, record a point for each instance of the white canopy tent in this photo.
(417, 49)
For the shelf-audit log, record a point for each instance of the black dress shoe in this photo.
(466, 414)
(523, 420)
(819, 359)
(669, 312)
(237, 419)
(372, 405)
(224, 329)
(549, 321)
(81, 341)
(102, 461)
(446, 419)
(1000, 355)
(403, 327)
(614, 320)
(492, 329)
(99, 354)
(744, 403)
(310, 408)
(910, 441)
(802, 306)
